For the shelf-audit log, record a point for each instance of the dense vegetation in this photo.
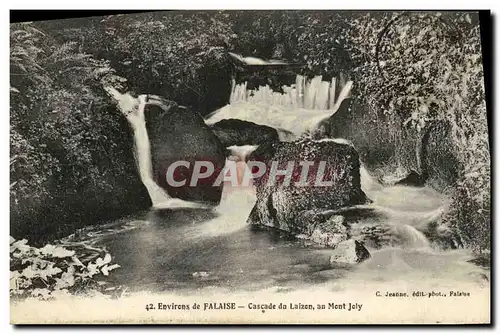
(71, 151)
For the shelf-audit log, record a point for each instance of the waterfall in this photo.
(159, 197)
(407, 210)
(299, 109)
(314, 94)
(413, 238)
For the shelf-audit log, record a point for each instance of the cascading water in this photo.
(397, 205)
(414, 238)
(214, 254)
(237, 202)
(301, 108)
(136, 118)
(142, 152)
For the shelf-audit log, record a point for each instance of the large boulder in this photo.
(177, 133)
(235, 132)
(282, 206)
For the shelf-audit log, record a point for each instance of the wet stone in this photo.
(349, 251)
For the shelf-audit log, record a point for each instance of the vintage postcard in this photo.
(250, 167)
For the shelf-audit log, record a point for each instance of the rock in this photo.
(376, 235)
(330, 233)
(177, 133)
(413, 179)
(349, 251)
(440, 159)
(444, 236)
(322, 228)
(330, 227)
(235, 132)
(282, 205)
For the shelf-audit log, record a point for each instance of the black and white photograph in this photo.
(250, 167)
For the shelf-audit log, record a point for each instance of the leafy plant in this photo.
(53, 270)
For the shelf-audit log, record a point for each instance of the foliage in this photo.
(426, 68)
(183, 55)
(157, 54)
(50, 271)
(61, 126)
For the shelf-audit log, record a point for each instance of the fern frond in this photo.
(35, 30)
(62, 51)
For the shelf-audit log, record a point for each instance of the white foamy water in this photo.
(301, 108)
(237, 200)
(234, 209)
(408, 210)
(159, 197)
(241, 152)
(414, 239)
(416, 262)
(295, 121)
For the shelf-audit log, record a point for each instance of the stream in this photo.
(182, 252)
(185, 249)
(181, 246)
